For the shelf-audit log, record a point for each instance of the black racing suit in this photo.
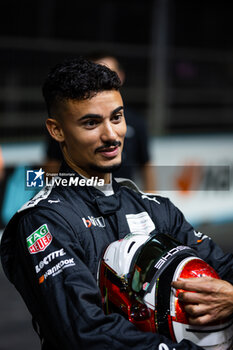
(50, 251)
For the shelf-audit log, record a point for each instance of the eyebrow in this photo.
(99, 116)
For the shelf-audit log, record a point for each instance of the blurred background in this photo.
(178, 60)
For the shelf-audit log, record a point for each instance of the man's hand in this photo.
(213, 300)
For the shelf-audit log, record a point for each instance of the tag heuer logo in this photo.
(39, 240)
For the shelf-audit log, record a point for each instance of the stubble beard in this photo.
(105, 169)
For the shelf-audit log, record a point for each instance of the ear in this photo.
(55, 129)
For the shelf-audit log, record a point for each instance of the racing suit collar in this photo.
(105, 204)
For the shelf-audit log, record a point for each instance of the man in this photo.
(135, 157)
(51, 248)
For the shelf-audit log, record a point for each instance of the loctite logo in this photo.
(94, 221)
(39, 240)
(47, 259)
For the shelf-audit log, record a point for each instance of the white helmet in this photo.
(135, 276)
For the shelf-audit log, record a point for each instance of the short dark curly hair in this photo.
(77, 79)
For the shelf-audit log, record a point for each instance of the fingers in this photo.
(201, 284)
(194, 298)
(196, 310)
(205, 299)
(195, 305)
(199, 309)
(199, 314)
(200, 320)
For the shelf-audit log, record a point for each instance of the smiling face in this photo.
(91, 133)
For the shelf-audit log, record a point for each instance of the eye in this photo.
(90, 124)
(117, 118)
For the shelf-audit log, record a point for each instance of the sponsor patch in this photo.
(200, 236)
(56, 269)
(39, 240)
(47, 259)
(91, 221)
(150, 198)
(54, 201)
(140, 223)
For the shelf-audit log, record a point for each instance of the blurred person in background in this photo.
(51, 248)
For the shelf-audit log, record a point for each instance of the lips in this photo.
(109, 152)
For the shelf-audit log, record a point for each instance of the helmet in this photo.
(135, 275)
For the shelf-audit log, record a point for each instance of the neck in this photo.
(88, 174)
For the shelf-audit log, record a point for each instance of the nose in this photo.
(108, 132)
